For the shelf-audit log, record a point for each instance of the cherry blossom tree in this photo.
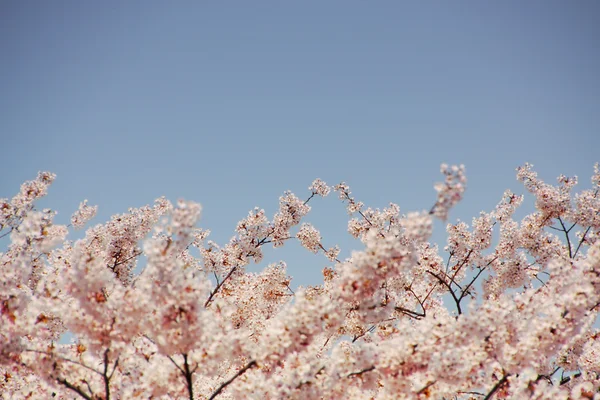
(505, 310)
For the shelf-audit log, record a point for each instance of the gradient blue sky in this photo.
(231, 103)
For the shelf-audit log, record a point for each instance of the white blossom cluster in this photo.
(83, 214)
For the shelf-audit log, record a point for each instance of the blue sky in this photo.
(231, 103)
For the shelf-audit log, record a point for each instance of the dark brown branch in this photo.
(497, 386)
(415, 314)
(176, 365)
(311, 196)
(258, 244)
(65, 359)
(106, 377)
(350, 375)
(581, 241)
(474, 393)
(114, 368)
(462, 264)
(443, 282)
(425, 388)
(448, 262)
(548, 377)
(216, 289)
(351, 201)
(120, 262)
(567, 236)
(74, 388)
(410, 313)
(251, 364)
(326, 341)
(371, 329)
(188, 376)
(187, 373)
(466, 290)
(6, 233)
(566, 380)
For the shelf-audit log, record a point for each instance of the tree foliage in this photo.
(505, 310)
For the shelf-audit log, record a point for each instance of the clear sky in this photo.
(229, 103)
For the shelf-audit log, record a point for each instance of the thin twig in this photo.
(64, 359)
(216, 289)
(442, 281)
(497, 386)
(350, 375)
(581, 241)
(74, 388)
(251, 364)
(567, 236)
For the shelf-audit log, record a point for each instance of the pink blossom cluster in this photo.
(309, 237)
(506, 310)
(450, 191)
(83, 215)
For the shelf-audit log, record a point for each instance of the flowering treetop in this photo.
(486, 317)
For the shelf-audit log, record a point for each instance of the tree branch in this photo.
(251, 364)
(74, 388)
(65, 359)
(216, 289)
(105, 376)
(350, 375)
(442, 281)
(497, 386)
(581, 241)
(566, 235)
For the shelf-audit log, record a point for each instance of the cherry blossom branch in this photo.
(228, 382)
(216, 289)
(290, 289)
(358, 373)
(106, 377)
(566, 235)
(548, 377)
(116, 264)
(371, 329)
(319, 371)
(258, 244)
(421, 303)
(452, 281)
(414, 314)
(473, 393)
(466, 290)
(6, 233)
(310, 197)
(352, 201)
(581, 241)
(426, 387)
(565, 380)
(462, 264)
(443, 282)
(451, 253)
(188, 376)
(74, 388)
(176, 365)
(265, 241)
(497, 386)
(65, 359)
(187, 373)
(326, 341)
(587, 230)
(410, 313)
